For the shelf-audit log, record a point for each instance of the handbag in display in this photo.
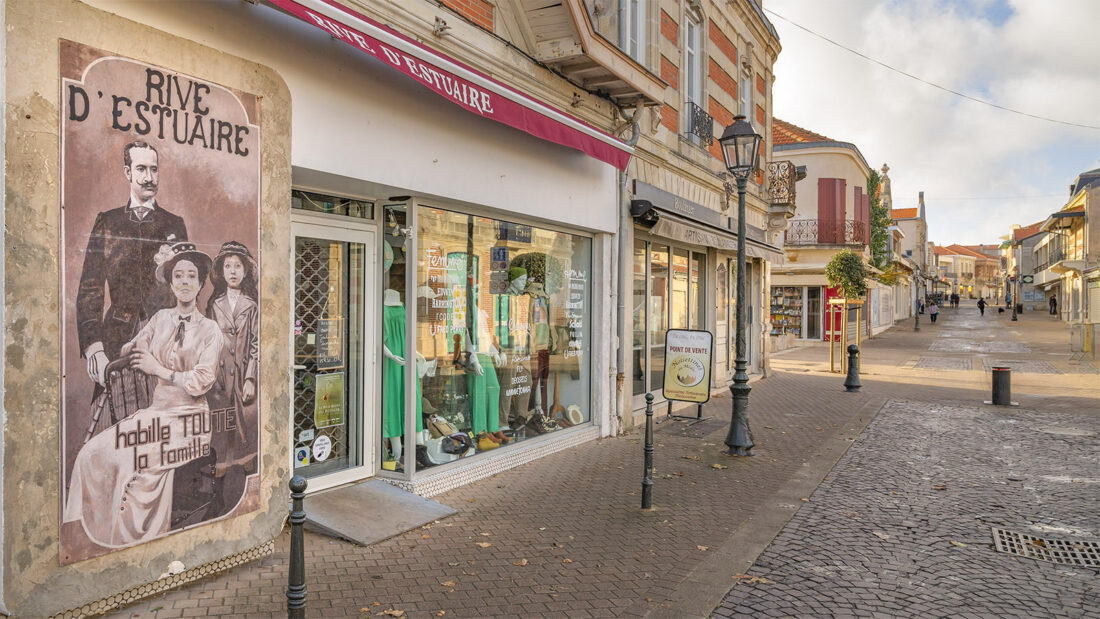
(439, 427)
(457, 443)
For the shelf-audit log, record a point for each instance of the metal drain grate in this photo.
(1064, 551)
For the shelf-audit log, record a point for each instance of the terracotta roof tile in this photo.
(904, 213)
(1020, 234)
(942, 251)
(784, 132)
(963, 250)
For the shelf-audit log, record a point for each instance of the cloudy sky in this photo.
(981, 169)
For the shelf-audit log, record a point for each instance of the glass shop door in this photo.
(333, 308)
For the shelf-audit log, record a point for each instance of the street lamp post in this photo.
(741, 151)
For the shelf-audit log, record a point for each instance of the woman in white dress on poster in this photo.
(121, 485)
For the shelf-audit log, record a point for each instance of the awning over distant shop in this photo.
(679, 219)
(457, 83)
(672, 227)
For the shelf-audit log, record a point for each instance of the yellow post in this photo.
(843, 337)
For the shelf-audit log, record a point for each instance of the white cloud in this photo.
(1043, 59)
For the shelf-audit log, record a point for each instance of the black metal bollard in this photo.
(1002, 386)
(296, 581)
(647, 479)
(851, 383)
(916, 322)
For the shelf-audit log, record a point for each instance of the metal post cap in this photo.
(297, 484)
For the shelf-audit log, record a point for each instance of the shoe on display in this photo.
(484, 443)
(537, 423)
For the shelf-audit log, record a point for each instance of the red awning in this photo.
(457, 83)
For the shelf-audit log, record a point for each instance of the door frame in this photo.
(365, 232)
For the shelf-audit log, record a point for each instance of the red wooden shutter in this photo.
(826, 210)
(841, 190)
(867, 219)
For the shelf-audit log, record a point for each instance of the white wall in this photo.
(354, 117)
(826, 162)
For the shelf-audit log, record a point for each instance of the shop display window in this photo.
(786, 310)
(502, 334)
(332, 205)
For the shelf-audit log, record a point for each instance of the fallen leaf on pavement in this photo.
(520, 563)
(719, 466)
(959, 544)
(690, 457)
(566, 560)
(1038, 542)
(441, 613)
(471, 500)
(425, 536)
(806, 499)
(940, 487)
(703, 547)
(881, 535)
(452, 563)
(447, 583)
(392, 612)
(484, 544)
(485, 535)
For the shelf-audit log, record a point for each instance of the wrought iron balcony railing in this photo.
(700, 124)
(817, 232)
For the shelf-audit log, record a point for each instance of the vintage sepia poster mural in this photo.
(160, 289)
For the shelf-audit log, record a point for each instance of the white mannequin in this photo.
(517, 285)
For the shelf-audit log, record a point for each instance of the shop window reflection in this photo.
(639, 316)
(502, 333)
(395, 349)
(658, 314)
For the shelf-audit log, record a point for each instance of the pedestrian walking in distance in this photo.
(981, 306)
(1053, 305)
(933, 310)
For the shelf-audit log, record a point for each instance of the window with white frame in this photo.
(693, 62)
(746, 96)
(633, 28)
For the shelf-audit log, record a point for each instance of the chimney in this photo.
(920, 203)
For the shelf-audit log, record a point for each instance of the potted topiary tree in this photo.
(848, 272)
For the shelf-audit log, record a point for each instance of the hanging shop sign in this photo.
(519, 233)
(160, 276)
(688, 355)
(459, 84)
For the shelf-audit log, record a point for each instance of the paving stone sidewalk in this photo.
(567, 535)
(902, 525)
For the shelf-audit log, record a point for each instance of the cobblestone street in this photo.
(903, 525)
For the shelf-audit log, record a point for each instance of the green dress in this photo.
(393, 375)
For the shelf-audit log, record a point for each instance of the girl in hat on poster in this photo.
(234, 306)
(122, 480)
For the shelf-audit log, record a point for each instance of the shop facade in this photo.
(425, 246)
(684, 273)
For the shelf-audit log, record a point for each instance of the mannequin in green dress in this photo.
(481, 376)
(393, 374)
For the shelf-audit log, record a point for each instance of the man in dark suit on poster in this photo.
(119, 260)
